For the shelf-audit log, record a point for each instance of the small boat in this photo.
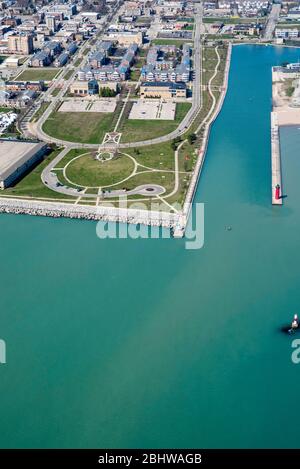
(293, 327)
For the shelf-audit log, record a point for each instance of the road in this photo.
(272, 21)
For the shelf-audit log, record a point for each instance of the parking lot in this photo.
(154, 109)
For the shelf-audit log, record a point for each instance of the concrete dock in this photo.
(275, 158)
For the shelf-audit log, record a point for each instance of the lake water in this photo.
(142, 343)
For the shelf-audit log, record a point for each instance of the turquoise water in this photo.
(141, 343)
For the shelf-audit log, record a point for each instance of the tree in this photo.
(192, 138)
(173, 145)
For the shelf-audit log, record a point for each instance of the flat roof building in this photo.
(163, 90)
(16, 157)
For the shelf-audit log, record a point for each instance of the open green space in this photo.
(77, 62)
(233, 20)
(150, 177)
(5, 109)
(82, 127)
(135, 130)
(173, 42)
(68, 74)
(55, 92)
(35, 74)
(154, 156)
(85, 170)
(31, 185)
(186, 20)
(135, 75)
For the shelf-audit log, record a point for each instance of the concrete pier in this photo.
(275, 158)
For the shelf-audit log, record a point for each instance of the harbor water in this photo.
(142, 343)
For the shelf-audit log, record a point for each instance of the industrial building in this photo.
(16, 157)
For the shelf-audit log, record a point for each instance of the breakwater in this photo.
(87, 212)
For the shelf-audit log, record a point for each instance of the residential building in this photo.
(20, 44)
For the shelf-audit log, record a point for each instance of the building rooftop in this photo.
(15, 154)
(165, 84)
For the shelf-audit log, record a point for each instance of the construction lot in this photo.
(150, 110)
(86, 105)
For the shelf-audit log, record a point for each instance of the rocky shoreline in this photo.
(105, 214)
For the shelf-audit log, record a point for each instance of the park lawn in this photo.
(36, 74)
(86, 171)
(82, 127)
(31, 185)
(135, 130)
(159, 156)
(150, 177)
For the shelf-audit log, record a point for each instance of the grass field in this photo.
(37, 74)
(86, 171)
(68, 74)
(173, 42)
(233, 20)
(82, 127)
(135, 130)
(135, 75)
(5, 109)
(55, 92)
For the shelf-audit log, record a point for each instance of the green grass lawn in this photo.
(82, 127)
(6, 109)
(77, 62)
(140, 62)
(135, 130)
(186, 20)
(233, 20)
(86, 171)
(173, 42)
(154, 156)
(55, 92)
(35, 74)
(31, 184)
(150, 177)
(135, 75)
(68, 74)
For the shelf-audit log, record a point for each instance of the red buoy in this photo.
(277, 192)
